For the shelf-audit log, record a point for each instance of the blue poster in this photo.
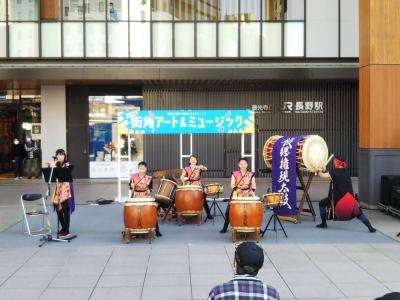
(185, 121)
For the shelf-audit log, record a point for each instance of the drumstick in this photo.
(328, 161)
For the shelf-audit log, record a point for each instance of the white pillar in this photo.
(54, 120)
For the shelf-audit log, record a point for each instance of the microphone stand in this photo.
(49, 237)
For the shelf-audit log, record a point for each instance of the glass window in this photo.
(249, 10)
(294, 10)
(283, 9)
(272, 10)
(104, 136)
(322, 28)
(184, 39)
(51, 39)
(162, 39)
(73, 10)
(95, 9)
(228, 10)
(349, 28)
(272, 39)
(24, 39)
(184, 9)
(249, 39)
(228, 39)
(95, 39)
(139, 10)
(50, 10)
(140, 39)
(207, 10)
(3, 39)
(206, 40)
(162, 9)
(3, 10)
(73, 39)
(294, 39)
(118, 39)
(23, 10)
(118, 10)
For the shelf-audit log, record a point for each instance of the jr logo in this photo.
(287, 107)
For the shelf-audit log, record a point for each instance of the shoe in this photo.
(322, 225)
(372, 229)
(158, 234)
(16, 178)
(210, 217)
(223, 230)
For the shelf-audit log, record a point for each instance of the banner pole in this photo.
(119, 165)
(180, 151)
(253, 152)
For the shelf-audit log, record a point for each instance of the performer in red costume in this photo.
(341, 196)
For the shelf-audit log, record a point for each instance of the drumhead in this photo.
(214, 184)
(167, 180)
(267, 149)
(135, 200)
(158, 196)
(272, 194)
(141, 203)
(189, 188)
(315, 152)
(246, 199)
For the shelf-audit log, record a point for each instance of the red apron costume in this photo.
(143, 186)
(194, 176)
(341, 193)
(243, 184)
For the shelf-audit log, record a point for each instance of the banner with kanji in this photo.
(284, 173)
(185, 121)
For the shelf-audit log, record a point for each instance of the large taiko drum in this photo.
(311, 152)
(165, 192)
(189, 201)
(140, 217)
(246, 214)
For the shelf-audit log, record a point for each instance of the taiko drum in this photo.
(246, 212)
(189, 199)
(140, 214)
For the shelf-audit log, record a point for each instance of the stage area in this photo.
(342, 262)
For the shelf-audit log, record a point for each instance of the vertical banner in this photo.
(284, 174)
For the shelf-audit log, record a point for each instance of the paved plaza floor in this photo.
(343, 262)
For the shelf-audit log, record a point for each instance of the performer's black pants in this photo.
(64, 216)
(17, 167)
(206, 207)
(325, 203)
(227, 220)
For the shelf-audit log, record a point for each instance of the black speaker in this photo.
(396, 197)
(387, 183)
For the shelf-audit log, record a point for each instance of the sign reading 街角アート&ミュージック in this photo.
(185, 121)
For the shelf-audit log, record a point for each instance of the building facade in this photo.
(295, 62)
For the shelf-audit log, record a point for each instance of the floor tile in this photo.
(168, 293)
(120, 293)
(363, 290)
(131, 280)
(66, 294)
(64, 281)
(167, 280)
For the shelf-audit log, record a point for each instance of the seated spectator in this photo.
(249, 259)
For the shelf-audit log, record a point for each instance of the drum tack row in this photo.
(187, 201)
